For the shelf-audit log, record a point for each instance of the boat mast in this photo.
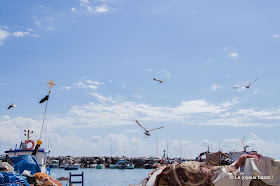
(167, 151)
(39, 142)
(180, 150)
(156, 146)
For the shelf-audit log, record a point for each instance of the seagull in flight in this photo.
(246, 86)
(147, 132)
(160, 81)
(12, 105)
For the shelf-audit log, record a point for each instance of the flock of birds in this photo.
(147, 132)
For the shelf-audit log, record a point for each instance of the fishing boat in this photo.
(93, 165)
(100, 166)
(113, 166)
(27, 148)
(121, 164)
(54, 164)
(72, 167)
(147, 166)
(130, 166)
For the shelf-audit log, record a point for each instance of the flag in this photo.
(163, 157)
(44, 99)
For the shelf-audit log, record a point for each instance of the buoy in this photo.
(30, 141)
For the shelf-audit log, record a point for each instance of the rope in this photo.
(176, 176)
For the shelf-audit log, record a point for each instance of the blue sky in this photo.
(103, 56)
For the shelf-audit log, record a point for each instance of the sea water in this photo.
(100, 177)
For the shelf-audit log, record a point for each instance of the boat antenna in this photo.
(46, 98)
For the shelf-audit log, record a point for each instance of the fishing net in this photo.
(189, 173)
(43, 179)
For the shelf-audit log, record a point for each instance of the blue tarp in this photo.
(12, 179)
(27, 162)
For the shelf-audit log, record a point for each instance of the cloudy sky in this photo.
(103, 56)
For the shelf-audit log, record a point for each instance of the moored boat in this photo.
(93, 165)
(100, 166)
(54, 164)
(72, 167)
(113, 166)
(147, 166)
(27, 148)
(130, 166)
(121, 164)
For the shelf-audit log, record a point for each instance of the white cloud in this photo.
(84, 1)
(7, 28)
(256, 91)
(91, 87)
(101, 98)
(102, 9)
(11, 133)
(215, 87)
(276, 35)
(67, 88)
(94, 82)
(135, 147)
(116, 111)
(137, 96)
(20, 34)
(50, 28)
(4, 34)
(124, 85)
(150, 70)
(88, 84)
(37, 23)
(2, 84)
(132, 131)
(271, 114)
(233, 55)
(86, 8)
(89, 9)
(232, 102)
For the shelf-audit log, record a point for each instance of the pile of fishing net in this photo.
(189, 173)
(43, 179)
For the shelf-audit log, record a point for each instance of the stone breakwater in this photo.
(87, 161)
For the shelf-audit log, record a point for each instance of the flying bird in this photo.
(44, 99)
(160, 81)
(12, 105)
(147, 132)
(246, 86)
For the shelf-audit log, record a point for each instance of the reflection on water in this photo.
(100, 177)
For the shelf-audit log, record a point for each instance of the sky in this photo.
(103, 56)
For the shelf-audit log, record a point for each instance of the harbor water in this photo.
(104, 177)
